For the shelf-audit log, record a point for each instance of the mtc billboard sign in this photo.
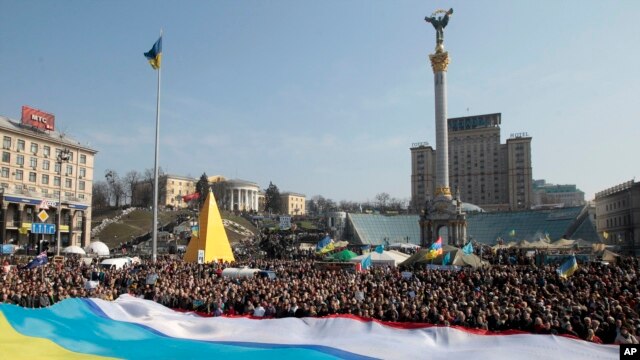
(37, 118)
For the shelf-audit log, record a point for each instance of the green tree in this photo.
(202, 188)
(272, 202)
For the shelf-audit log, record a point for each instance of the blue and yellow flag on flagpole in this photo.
(155, 54)
(435, 249)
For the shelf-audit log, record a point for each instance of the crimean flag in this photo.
(447, 259)
(366, 262)
(155, 54)
(468, 249)
(568, 268)
(379, 249)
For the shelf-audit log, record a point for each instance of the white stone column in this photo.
(439, 63)
(232, 199)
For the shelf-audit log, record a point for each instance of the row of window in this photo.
(46, 150)
(46, 164)
(616, 205)
(619, 221)
(19, 175)
(45, 192)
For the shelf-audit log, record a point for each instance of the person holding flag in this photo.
(568, 268)
(37, 261)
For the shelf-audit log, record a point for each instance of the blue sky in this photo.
(326, 97)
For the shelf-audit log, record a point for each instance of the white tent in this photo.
(74, 250)
(97, 248)
(390, 258)
(404, 246)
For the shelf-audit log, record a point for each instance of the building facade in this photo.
(618, 215)
(42, 167)
(293, 203)
(174, 187)
(545, 194)
(483, 171)
(235, 194)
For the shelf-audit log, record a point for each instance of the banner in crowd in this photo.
(133, 328)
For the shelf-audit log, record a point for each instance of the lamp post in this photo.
(63, 156)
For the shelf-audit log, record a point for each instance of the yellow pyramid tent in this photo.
(212, 237)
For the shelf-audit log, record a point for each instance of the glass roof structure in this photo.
(484, 227)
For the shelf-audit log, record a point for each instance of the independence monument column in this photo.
(443, 211)
(439, 63)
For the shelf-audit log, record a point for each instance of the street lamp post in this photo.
(63, 156)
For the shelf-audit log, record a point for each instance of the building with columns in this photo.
(235, 194)
(42, 166)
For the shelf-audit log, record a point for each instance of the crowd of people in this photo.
(598, 303)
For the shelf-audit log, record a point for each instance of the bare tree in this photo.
(382, 200)
(131, 179)
(116, 188)
(100, 195)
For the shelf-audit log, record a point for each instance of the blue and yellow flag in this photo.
(435, 249)
(568, 268)
(155, 54)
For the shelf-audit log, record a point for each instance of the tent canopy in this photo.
(98, 248)
(458, 257)
(391, 258)
(343, 255)
(74, 250)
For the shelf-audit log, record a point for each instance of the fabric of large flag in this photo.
(468, 249)
(38, 261)
(155, 54)
(379, 249)
(133, 328)
(435, 249)
(328, 248)
(569, 267)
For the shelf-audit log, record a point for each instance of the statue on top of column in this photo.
(439, 24)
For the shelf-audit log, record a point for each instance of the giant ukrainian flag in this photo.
(133, 328)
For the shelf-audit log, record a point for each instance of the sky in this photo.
(326, 97)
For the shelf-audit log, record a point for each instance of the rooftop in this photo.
(54, 136)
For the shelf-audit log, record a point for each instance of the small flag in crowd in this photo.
(323, 243)
(435, 249)
(366, 263)
(512, 233)
(468, 249)
(568, 268)
(379, 249)
(37, 261)
(155, 54)
(447, 259)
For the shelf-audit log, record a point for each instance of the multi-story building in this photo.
(483, 171)
(293, 203)
(618, 215)
(43, 168)
(559, 195)
(174, 187)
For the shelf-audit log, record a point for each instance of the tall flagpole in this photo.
(154, 253)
